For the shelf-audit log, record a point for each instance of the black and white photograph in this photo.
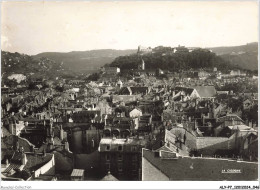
(144, 94)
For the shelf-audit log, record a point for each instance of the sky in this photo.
(49, 26)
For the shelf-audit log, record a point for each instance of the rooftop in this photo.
(77, 173)
(206, 91)
(109, 177)
(122, 141)
(201, 169)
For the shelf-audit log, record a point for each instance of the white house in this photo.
(135, 113)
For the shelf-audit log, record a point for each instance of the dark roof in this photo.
(139, 89)
(158, 142)
(185, 89)
(200, 169)
(34, 162)
(12, 167)
(124, 90)
(121, 109)
(16, 158)
(31, 119)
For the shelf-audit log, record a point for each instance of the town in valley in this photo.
(152, 113)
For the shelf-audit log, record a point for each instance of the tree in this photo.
(93, 77)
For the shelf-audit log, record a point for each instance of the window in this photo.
(120, 167)
(134, 148)
(120, 157)
(108, 166)
(107, 157)
(108, 147)
(120, 148)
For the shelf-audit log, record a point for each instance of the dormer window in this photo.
(108, 147)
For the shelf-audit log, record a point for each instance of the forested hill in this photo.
(21, 67)
(196, 59)
(16, 63)
(245, 56)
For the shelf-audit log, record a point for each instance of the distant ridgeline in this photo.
(182, 58)
(245, 56)
(85, 61)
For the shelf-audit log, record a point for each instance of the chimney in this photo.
(24, 159)
(21, 149)
(51, 144)
(195, 124)
(114, 137)
(66, 146)
(31, 148)
(93, 142)
(44, 152)
(6, 161)
(51, 130)
(11, 128)
(34, 152)
(16, 146)
(61, 133)
(233, 122)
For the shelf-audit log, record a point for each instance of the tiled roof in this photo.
(77, 173)
(12, 167)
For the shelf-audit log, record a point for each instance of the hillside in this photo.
(236, 50)
(246, 60)
(22, 66)
(245, 56)
(197, 59)
(88, 61)
(224, 58)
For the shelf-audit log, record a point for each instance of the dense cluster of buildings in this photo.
(143, 128)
